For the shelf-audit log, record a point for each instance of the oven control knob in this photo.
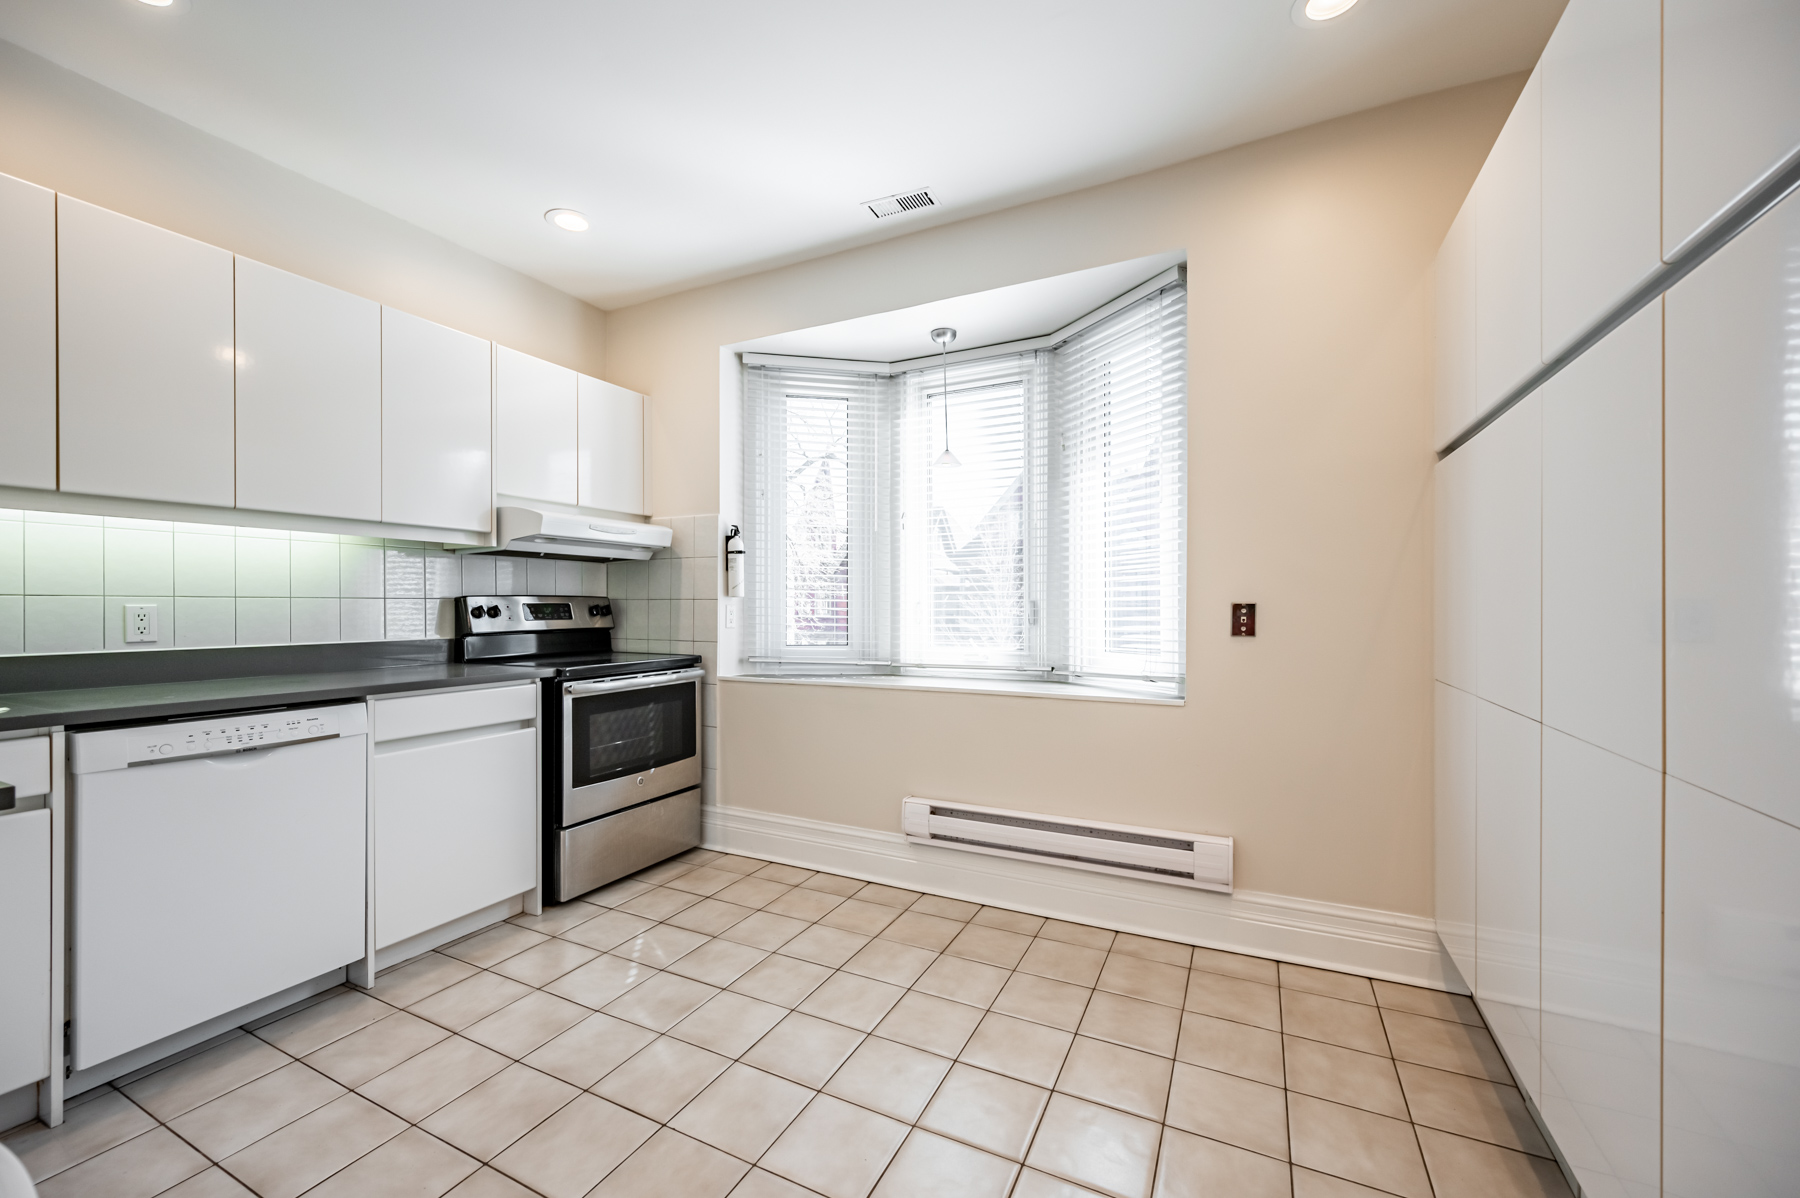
(493, 612)
(476, 612)
(594, 609)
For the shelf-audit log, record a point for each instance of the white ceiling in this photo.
(715, 137)
(985, 318)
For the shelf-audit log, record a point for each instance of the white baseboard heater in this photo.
(1184, 858)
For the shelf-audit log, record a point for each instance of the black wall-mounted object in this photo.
(1243, 619)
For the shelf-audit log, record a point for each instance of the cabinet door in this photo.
(436, 425)
(1507, 829)
(1731, 104)
(1602, 957)
(145, 349)
(308, 396)
(1489, 537)
(27, 334)
(25, 947)
(1733, 500)
(1508, 253)
(1454, 763)
(611, 459)
(1602, 160)
(455, 827)
(534, 427)
(1603, 543)
(1731, 997)
(1457, 406)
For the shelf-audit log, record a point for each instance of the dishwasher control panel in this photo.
(121, 747)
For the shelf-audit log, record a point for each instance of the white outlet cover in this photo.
(140, 623)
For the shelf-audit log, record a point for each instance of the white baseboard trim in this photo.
(1360, 940)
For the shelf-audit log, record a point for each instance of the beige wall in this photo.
(65, 132)
(1310, 259)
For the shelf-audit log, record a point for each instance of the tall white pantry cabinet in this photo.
(141, 365)
(1618, 596)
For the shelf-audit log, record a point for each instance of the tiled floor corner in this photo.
(720, 1026)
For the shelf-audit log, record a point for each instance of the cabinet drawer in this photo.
(25, 765)
(454, 710)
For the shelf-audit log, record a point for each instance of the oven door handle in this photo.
(631, 682)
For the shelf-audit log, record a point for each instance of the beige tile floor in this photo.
(723, 1026)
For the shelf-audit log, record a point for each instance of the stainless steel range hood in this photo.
(555, 534)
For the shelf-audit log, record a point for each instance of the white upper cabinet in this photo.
(1603, 568)
(1733, 503)
(436, 425)
(1508, 253)
(610, 460)
(1457, 406)
(1731, 104)
(534, 427)
(308, 396)
(1601, 161)
(27, 334)
(145, 351)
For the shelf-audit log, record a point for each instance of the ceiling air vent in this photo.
(906, 201)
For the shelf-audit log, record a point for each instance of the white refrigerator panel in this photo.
(308, 396)
(1602, 160)
(27, 334)
(437, 437)
(1731, 104)
(1507, 832)
(534, 424)
(145, 347)
(204, 884)
(1734, 520)
(1602, 963)
(1603, 543)
(1731, 1049)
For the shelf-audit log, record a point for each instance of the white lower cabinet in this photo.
(1507, 829)
(456, 806)
(25, 948)
(1733, 520)
(1731, 1020)
(1602, 958)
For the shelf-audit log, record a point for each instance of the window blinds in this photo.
(1054, 548)
(1121, 405)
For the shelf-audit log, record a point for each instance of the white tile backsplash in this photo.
(65, 623)
(64, 559)
(65, 578)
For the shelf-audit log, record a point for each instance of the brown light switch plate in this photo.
(1243, 619)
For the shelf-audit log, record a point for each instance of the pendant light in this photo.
(944, 337)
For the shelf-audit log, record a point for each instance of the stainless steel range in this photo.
(621, 735)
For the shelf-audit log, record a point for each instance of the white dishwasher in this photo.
(215, 862)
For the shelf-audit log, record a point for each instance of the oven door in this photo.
(628, 740)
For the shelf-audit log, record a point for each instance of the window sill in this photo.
(963, 686)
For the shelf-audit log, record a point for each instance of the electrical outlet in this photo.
(140, 623)
(730, 614)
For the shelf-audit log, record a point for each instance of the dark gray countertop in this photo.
(100, 691)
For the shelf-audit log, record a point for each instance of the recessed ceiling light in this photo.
(1324, 10)
(157, 3)
(567, 219)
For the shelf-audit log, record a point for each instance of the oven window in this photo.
(630, 732)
